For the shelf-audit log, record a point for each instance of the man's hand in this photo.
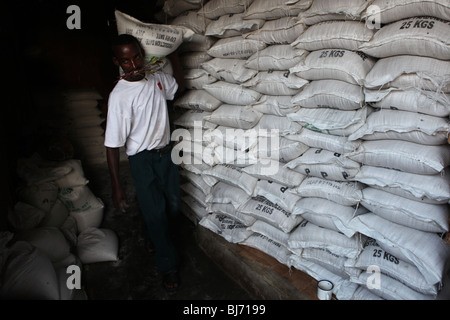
(119, 198)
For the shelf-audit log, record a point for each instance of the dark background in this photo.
(40, 53)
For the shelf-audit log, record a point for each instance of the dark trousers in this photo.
(157, 184)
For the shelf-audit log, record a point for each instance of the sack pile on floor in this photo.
(56, 226)
(358, 93)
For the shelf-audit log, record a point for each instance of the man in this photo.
(138, 119)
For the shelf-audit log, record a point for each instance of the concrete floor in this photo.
(133, 277)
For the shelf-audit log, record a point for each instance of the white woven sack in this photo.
(427, 102)
(225, 193)
(406, 212)
(57, 215)
(89, 217)
(276, 9)
(234, 116)
(308, 235)
(232, 25)
(270, 232)
(419, 187)
(74, 178)
(394, 267)
(230, 229)
(275, 105)
(230, 93)
(194, 59)
(229, 70)
(386, 11)
(276, 193)
(392, 289)
(348, 35)
(325, 164)
(343, 289)
(422, 36)
(326, 259)
(268, 246)
(426, 250)
(403, 155)
(330, 120)
(272, 124)
(28, 274)
(79, 198)
(336, 216)
(50, 240)
(70, 230)
(233, 176)
(279, 57)
(279, 31)
(330, 94)
(403, 125)
(197, 99)
(284, 150)
(235, 48)
(280, 83)
(407, 71)
(198, 43)
(265, 210)
(97, 245)
(325, 141)
(229, 210)
(284, 176)
(192, 20)
(324, 10)
(174, 8)
(215, 8)
(335, 64)
(157, 40)
(196, 78)
(341, 192)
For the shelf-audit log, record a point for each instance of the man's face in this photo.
(130, 58)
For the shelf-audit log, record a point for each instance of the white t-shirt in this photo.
(137, 113)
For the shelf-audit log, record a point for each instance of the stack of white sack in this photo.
(55, 222)
(404, 152)
(310, 74)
